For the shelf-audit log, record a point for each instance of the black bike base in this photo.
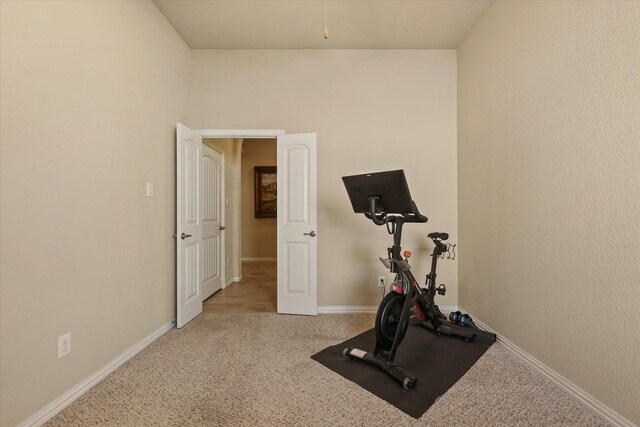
(437, 361)
(381, 361)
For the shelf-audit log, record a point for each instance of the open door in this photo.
(297, 224)
(212, 221)
(189, 268)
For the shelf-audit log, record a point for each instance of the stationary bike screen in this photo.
(390, 187)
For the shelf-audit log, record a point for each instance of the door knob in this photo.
(222, 227)
(312, 234)
(184, 236)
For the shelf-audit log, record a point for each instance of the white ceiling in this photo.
(299, 24)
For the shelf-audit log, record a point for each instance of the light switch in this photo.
(149, 189)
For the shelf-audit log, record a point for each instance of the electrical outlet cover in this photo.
(64, 345)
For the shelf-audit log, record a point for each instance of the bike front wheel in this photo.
(388, 320)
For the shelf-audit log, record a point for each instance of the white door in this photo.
(212, 221)
(297, 224)
(189, 268)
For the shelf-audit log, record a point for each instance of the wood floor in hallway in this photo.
(256, 292)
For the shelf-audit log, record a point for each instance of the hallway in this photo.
(256, 292)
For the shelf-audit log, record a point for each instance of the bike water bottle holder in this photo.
(450, 251)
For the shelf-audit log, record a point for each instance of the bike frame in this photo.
(413, 293)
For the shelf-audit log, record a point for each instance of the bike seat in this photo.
(441, 236)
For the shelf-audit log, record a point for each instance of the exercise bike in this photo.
(384, 198)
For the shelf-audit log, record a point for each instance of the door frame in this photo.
(238, 134)
(246, 134)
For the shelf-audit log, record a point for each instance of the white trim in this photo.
(259, 259)
(232, 280)
(599, 408)
(240, 133)
(347, 309)
(344, 309)
(67, 398)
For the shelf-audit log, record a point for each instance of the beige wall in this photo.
(549, 161)
(91, 93)
(373, 110)
(258, 234)
(548, 123)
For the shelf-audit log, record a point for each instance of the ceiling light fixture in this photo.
(326, 31)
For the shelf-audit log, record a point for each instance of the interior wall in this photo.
(548, 160)
(373, 110)
(91, 93)
(259, 240)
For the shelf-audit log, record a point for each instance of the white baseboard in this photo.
(232, 279)
(347, 309)
(367, 309)
(64, 400)
(599, 408)
(259, 259)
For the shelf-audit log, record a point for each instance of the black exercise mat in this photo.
(437, 361)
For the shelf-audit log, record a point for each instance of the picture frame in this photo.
(265, 191)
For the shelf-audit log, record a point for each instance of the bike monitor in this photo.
(390, 187)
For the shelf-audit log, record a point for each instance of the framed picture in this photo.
(266, 191)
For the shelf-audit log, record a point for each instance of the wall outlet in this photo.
(381, 281)
(64, 345)
(149, 189)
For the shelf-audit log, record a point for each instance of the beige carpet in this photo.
(255, 370)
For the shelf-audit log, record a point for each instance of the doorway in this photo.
(251, 258)
(296, 222)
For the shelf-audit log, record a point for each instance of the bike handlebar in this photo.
(383, 218)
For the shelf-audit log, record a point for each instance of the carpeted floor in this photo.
(255, 370)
